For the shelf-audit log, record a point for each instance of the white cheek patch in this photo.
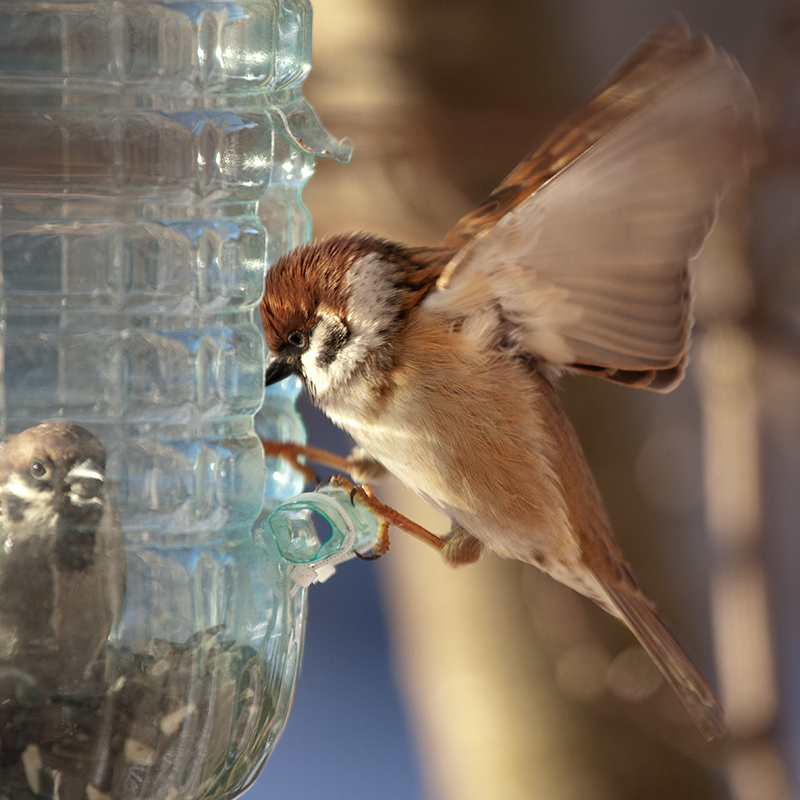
(371, 315)
(321, 368)
(86, 469)
(16, 486)
(37, 511)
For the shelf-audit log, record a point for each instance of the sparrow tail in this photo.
(660, 644)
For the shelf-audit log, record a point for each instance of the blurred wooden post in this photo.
(504, 708)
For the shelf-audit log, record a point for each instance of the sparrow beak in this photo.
(278, 369)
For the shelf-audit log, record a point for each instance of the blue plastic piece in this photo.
(353, 530)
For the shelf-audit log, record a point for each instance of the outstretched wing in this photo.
(585, 246)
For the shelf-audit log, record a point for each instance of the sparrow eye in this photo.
(297, 339)
(39, 470)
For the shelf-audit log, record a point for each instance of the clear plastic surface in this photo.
(353, 528)
(149, 642)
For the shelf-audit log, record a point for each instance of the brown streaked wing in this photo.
(593, 267)
(635, 81)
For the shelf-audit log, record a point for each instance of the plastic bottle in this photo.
(151, 158)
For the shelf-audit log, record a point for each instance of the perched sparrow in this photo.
(62, 563)
(441, 362)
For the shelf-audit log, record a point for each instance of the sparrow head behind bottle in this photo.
(62, 560)
(53, 479)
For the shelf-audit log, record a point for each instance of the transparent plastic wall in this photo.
(151, 159)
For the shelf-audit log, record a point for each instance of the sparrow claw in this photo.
(381, 546)
(367, 556)
(386, 515)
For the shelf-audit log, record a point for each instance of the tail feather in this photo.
(657, 639)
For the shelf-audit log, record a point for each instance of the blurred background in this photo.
(425, 683)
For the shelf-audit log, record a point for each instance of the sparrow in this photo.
(442, 362)
(62, 561)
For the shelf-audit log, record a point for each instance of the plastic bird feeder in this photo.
(151, 161)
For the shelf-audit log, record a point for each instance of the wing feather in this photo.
(668, 48)
(588, 254)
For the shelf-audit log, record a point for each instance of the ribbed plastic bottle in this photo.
(151, 159)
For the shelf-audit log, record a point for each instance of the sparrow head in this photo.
(52, 480)
(333, 309)
(62, 559)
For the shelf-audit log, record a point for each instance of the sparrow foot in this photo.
(387, 516)
(366, 497)
(292, 452)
